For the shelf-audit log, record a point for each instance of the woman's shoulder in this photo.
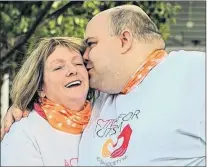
(22, 128)
(20, 141)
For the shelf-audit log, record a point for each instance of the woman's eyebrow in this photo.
(56, 61)
(77, 57)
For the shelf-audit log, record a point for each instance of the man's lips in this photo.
(89, 66)
(90, 70)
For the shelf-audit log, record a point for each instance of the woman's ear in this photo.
(126, 41)
(41, 93)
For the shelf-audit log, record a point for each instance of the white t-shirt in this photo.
(160, 122)
(33, 142)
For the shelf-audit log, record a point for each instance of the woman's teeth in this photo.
(74, 83)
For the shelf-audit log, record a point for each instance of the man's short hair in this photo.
(134, 18)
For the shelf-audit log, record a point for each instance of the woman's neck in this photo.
(75, 105)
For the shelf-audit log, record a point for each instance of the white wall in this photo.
(4, 95)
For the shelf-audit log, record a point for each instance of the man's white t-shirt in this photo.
(160, 122)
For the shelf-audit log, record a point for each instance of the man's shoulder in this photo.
(178, 69)
(181, 63)
(186, 57)
(188, 52)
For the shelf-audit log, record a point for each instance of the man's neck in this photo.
(138, 56)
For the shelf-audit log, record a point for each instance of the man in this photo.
(151, 109)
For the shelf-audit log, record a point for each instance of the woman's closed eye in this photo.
(57, 68)
(79, 63)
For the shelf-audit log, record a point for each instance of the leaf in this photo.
(59, 20)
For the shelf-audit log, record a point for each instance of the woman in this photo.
(54, 81)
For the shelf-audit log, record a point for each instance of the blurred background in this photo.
(182, 24)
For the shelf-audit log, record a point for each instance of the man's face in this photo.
(102, 54)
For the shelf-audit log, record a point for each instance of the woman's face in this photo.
(65, 77)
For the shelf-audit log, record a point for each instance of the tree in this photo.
(23, 22)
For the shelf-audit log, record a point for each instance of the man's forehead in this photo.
(90, 33)
(87, 32)
(97, 24)
(91, 28)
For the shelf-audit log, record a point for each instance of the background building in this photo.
(189, 32)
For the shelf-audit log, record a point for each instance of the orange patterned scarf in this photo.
(63, 119)
(151, 61)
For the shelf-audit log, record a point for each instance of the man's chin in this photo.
(97, 86)
(94, 81)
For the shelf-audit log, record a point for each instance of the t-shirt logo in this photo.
(120, 151)
(71, 162)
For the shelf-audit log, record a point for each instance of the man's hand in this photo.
(13, 114)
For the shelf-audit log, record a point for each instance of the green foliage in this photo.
(61, 18)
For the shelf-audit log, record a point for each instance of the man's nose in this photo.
(71, 71)
(86, 55)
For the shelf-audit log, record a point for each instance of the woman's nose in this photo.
(71, 70)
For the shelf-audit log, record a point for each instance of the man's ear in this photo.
(126, 40)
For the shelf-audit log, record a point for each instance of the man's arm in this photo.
(13, 114)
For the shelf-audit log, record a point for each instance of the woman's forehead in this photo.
(61, 52)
